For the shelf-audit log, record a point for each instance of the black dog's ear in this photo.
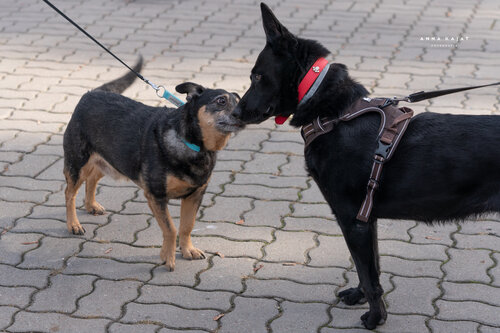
(276, 33)
(191, 89)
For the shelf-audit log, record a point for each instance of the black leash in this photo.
(423, 95)
(165, 94)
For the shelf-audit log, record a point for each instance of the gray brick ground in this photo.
(27, 321)
(185, 297)
(249, 315)
(436, 278)
(293, 318)
(63, 289)
(107, 298)
(170, 316)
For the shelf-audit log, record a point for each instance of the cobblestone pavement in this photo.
(280, 269)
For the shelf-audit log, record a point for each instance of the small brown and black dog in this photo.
(169, 153)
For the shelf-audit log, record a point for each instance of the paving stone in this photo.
(456, 268)
(261, 192)
(120, 252)
(226, 274)
(266, 163)
(233, 231)
(170, 316)
(185, 273)
(122, 228)
(229, 248)
(466, 310)
(480, 227)
(15, 296)
(31, 165)
(488, 329)
(6, 313)
(471, 292)
(13, 246)
(107, 298)
(405, 324)
(294, 320)
(394, 229)
(488, 242)
(291, 291)
(270, 180)
(185, 297)
(408, 268)
(495, 271)
(11, 211)
(312, 195)
(295, 167)
(227, 209)
(453, 326)
(113, 198)
(14, 277)
(109, 269)
(332, 251)
(312, 224)
(312, 210)
(290, 246)
(50, 228)
(51, 253)
(249, 315)
(346, 318)
(248, 140)
(412, 251)
(267, 213)
(431, 234)
(54, 322)
(133, 328)
(300, 273)
(66, 290)
(411, 291)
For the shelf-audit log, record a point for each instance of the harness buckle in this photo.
(383, 150)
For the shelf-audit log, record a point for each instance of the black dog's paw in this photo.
(371, 319)
(352, 296)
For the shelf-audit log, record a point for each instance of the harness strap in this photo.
(393, 124)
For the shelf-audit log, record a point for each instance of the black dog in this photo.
(169, 153)
(445, 168)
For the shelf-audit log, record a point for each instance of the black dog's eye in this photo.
(257, 77)
(221, 101)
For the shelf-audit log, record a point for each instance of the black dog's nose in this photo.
(237, 112)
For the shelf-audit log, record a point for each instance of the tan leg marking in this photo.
(70, 193)
(177, 188)
(91, 205)
(189, 209)
(212, 139)
(162, 215)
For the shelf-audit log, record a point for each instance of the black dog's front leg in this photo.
(361, 239)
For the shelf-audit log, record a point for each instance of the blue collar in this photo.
(191, 146)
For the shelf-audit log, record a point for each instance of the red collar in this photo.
(306, 83)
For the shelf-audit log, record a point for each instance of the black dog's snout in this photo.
(237, 112)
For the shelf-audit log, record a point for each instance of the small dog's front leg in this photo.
(189, 209)
(162, 216)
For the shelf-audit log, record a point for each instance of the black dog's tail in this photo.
(119, 85)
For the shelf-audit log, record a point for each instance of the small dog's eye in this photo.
(221, 101)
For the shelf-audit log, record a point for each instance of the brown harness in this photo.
(394, 122)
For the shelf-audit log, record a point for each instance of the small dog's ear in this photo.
(191, 89)
(236, 95)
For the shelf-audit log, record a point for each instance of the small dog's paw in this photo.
(192, 253)
(352, 296)
(95, 209)
(170, 266)
(76, 229)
